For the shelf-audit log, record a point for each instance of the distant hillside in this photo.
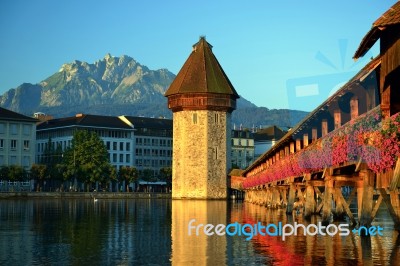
(116, 86)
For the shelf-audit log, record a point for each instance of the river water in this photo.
(156, 232)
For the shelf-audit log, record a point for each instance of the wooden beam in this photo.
(315, 183)
(351, 197)
(342, 201)
(366, 198)
(310, 202)
(300, 195)
(396, 176)
(290, 204)
(392, 212)
(327, 200)
(376, 207)
(320, 207)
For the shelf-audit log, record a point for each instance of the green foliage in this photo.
(4, 170)
(87, 159)
(127, 174)
(16, 173)
(147, 175)
(38, 171)
(166, 175)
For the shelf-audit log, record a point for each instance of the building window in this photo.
(27, 130)
(108, 145)
(128, 146)
(114, 157)
(115, 144)
(121, 146)
(216, 153)
(128, 158)
(1, 160)
(121, 158)
(2, 128)
(26, 161)
(216, 118)
(13, 144)
(1, 144)
(26, 145)
(13, 160)
(14, 129)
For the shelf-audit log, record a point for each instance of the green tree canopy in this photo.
(16, 173)
(39, 173)
(127, 174)
(87, 159)
(166, 175)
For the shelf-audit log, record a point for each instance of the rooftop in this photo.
(201, 73)
(85, 120)
(6, 114)
(389, 19)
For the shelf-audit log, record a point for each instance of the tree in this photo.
(87, 159)
(16, 173)
(127, 174)
(166, 175)
(4, 170)
(147, 175)
(39, 173)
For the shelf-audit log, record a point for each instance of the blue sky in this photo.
(266, 48)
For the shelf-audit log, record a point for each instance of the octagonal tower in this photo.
(202, 99)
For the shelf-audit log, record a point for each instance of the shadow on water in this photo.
(156, 231)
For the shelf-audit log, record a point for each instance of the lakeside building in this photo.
(153, 143)
(144, 143)
(17, 139)
(265, 138)
(242, 148)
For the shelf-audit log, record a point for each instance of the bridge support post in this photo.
(310, 202)
(365, 198)
(339, 204)
(292, 194)
(276, 198)
(327, 207)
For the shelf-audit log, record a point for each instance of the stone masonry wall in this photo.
(199, 168)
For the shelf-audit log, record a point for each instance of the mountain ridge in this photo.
(119, 86)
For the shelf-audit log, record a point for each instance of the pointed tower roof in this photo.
(202, 73)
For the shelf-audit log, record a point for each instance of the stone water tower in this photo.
(202, 99)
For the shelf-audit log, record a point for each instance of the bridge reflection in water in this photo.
(155, 231)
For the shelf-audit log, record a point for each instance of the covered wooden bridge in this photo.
(346, 149)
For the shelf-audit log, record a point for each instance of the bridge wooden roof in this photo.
(390, 18)
(372, 65)
(201, 73)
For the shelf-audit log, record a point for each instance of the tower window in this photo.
(216, 118)
(195, 118)
(216, 153)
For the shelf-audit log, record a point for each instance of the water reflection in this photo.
(155, 231)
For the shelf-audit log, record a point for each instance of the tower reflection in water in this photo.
(197, 249)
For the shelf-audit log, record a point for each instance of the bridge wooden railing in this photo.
(365, 139)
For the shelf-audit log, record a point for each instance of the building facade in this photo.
(242, 148)
(265, 138)
(143, 143)
(202, 99)
(17, 139)
(153, 143)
